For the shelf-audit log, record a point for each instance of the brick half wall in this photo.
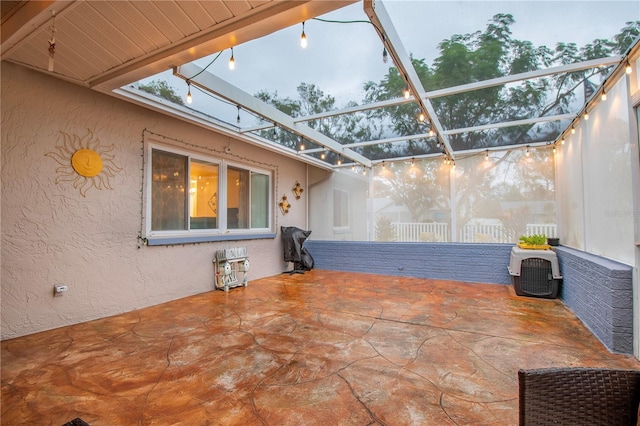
(484, 263)
(600, 292)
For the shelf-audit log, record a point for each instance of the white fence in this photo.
(475, 233)
(548, 229)
(425, 232)
(471, 233)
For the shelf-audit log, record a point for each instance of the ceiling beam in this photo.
(378, 15)
(498, 81)
(219, 87)
(523, 122)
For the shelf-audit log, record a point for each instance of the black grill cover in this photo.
(293, 240)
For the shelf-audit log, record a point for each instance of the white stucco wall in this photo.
(321, 206)
(51, 234)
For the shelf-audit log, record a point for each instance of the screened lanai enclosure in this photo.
(440, 123)
(151, 134)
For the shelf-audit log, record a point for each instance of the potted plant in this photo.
(533, 242)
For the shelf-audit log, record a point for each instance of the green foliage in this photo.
(487, 54)
(312, 100)
(536, 239)
(162, 89)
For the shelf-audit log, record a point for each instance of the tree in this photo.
(487, 54)
(162, 89)
(312, 100)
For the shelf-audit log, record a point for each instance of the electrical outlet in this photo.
(58, 289)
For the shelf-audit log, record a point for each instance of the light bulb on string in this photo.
(586, 115)
(238, 117)
(303, 38)
(528, 152)
(486, 155)
(339, 162)
(628, 69)
(421, 117)
(323, 155)
(603, 97)
(573, 130)
(232, 61)
(562, 141)
(189, 97)
(407, 93)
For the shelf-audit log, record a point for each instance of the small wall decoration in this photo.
(284, 205)
(84, 161)
(297, 189)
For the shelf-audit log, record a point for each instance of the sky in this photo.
(341, 57)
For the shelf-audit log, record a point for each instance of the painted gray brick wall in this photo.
(597, 290)
(486, 263)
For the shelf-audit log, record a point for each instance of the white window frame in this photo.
(346, 197)
(221, 233)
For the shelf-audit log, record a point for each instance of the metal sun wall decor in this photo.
(84, 161)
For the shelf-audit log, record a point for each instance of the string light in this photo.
(586, 115)
(407, 93)
(486, 155)
(554, 149)
(339, 162)
(528, 151)
(301, 146)
(303, 38)
(189, 97)
(323, 155)
(628, 68)
(438, 144)
(603, 97)
(232, 61)
(238, 117)
(385, 55)
(421, 117)
(562, 141)
(52, 41)
(573, 130)
(431, 133)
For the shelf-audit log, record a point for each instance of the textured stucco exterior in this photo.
(52, 234)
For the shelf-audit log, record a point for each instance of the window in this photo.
(340, 209)
(193, 198)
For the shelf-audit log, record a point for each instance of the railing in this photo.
(470, 233)
(476, 233)
(548, 229)
(421, 232)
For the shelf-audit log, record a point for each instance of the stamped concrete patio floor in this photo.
(323, 348)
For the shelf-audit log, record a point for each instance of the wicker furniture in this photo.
(579, 396)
